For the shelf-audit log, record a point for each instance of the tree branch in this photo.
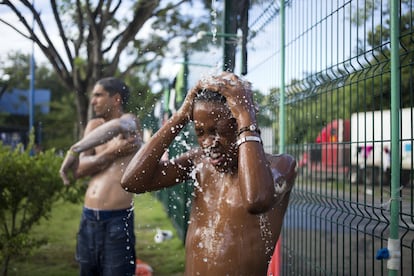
(61, 31)
(51, 46)
(49, 51)
(112, 13)
(142, 12)
(14, 28)
(79, 41)
(114, 40)
(169, 7)
(134, 65)
(94, 39)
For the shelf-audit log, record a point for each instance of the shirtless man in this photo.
(240, 192)
(106, 240)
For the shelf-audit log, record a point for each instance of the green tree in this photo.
(101, 36)
(29, 184)
(57, 129)
(373, 80)
(115, 38)
(321, 97)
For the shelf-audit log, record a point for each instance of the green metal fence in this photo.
(347, 76)
(177, 200)
(349, 126)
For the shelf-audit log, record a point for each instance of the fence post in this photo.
(228, 48)
(393, 263)
(282, 80)
(277, 255)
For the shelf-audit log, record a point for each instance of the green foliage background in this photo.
(57, 256)
(29, 185)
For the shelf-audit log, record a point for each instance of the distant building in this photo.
(16, 103)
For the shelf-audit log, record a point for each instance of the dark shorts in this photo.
(106, 243)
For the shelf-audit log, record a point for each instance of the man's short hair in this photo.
(113, 86)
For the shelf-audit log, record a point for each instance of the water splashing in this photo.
(193, 176)
(214, 20)
(266, 232)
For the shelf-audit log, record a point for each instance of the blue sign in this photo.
(16, 101)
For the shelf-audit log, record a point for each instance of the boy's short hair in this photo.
(209, 96)
(113, 86)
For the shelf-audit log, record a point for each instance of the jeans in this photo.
(106, 243)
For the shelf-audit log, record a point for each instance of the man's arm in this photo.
(126, 126)
(146, 171)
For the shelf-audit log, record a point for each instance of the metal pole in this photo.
(282, 80)
(186, 72)
(394, 242)
(31, 97)
(277, 255)
(32, 82)
(228, 48)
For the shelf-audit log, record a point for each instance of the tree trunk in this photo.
(5, 267)
(82, 105)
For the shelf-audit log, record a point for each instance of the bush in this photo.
(29, 185)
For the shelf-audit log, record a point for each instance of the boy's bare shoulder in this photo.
(284, 164)
(277, 159)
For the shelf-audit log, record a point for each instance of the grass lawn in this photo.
(56, 258)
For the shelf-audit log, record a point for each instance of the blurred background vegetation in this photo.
(56, 257)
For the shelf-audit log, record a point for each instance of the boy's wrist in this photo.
(246, 120)
(253, 128)
(249, 139)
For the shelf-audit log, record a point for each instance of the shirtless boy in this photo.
(106, 240)
(240, 192)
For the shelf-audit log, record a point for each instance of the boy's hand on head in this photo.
(186, 109)
(238, 93)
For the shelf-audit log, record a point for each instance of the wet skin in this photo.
(223, 238)
(103, 191)
(104, 158)
(237, 212)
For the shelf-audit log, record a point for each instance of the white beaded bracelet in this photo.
(248, 139)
